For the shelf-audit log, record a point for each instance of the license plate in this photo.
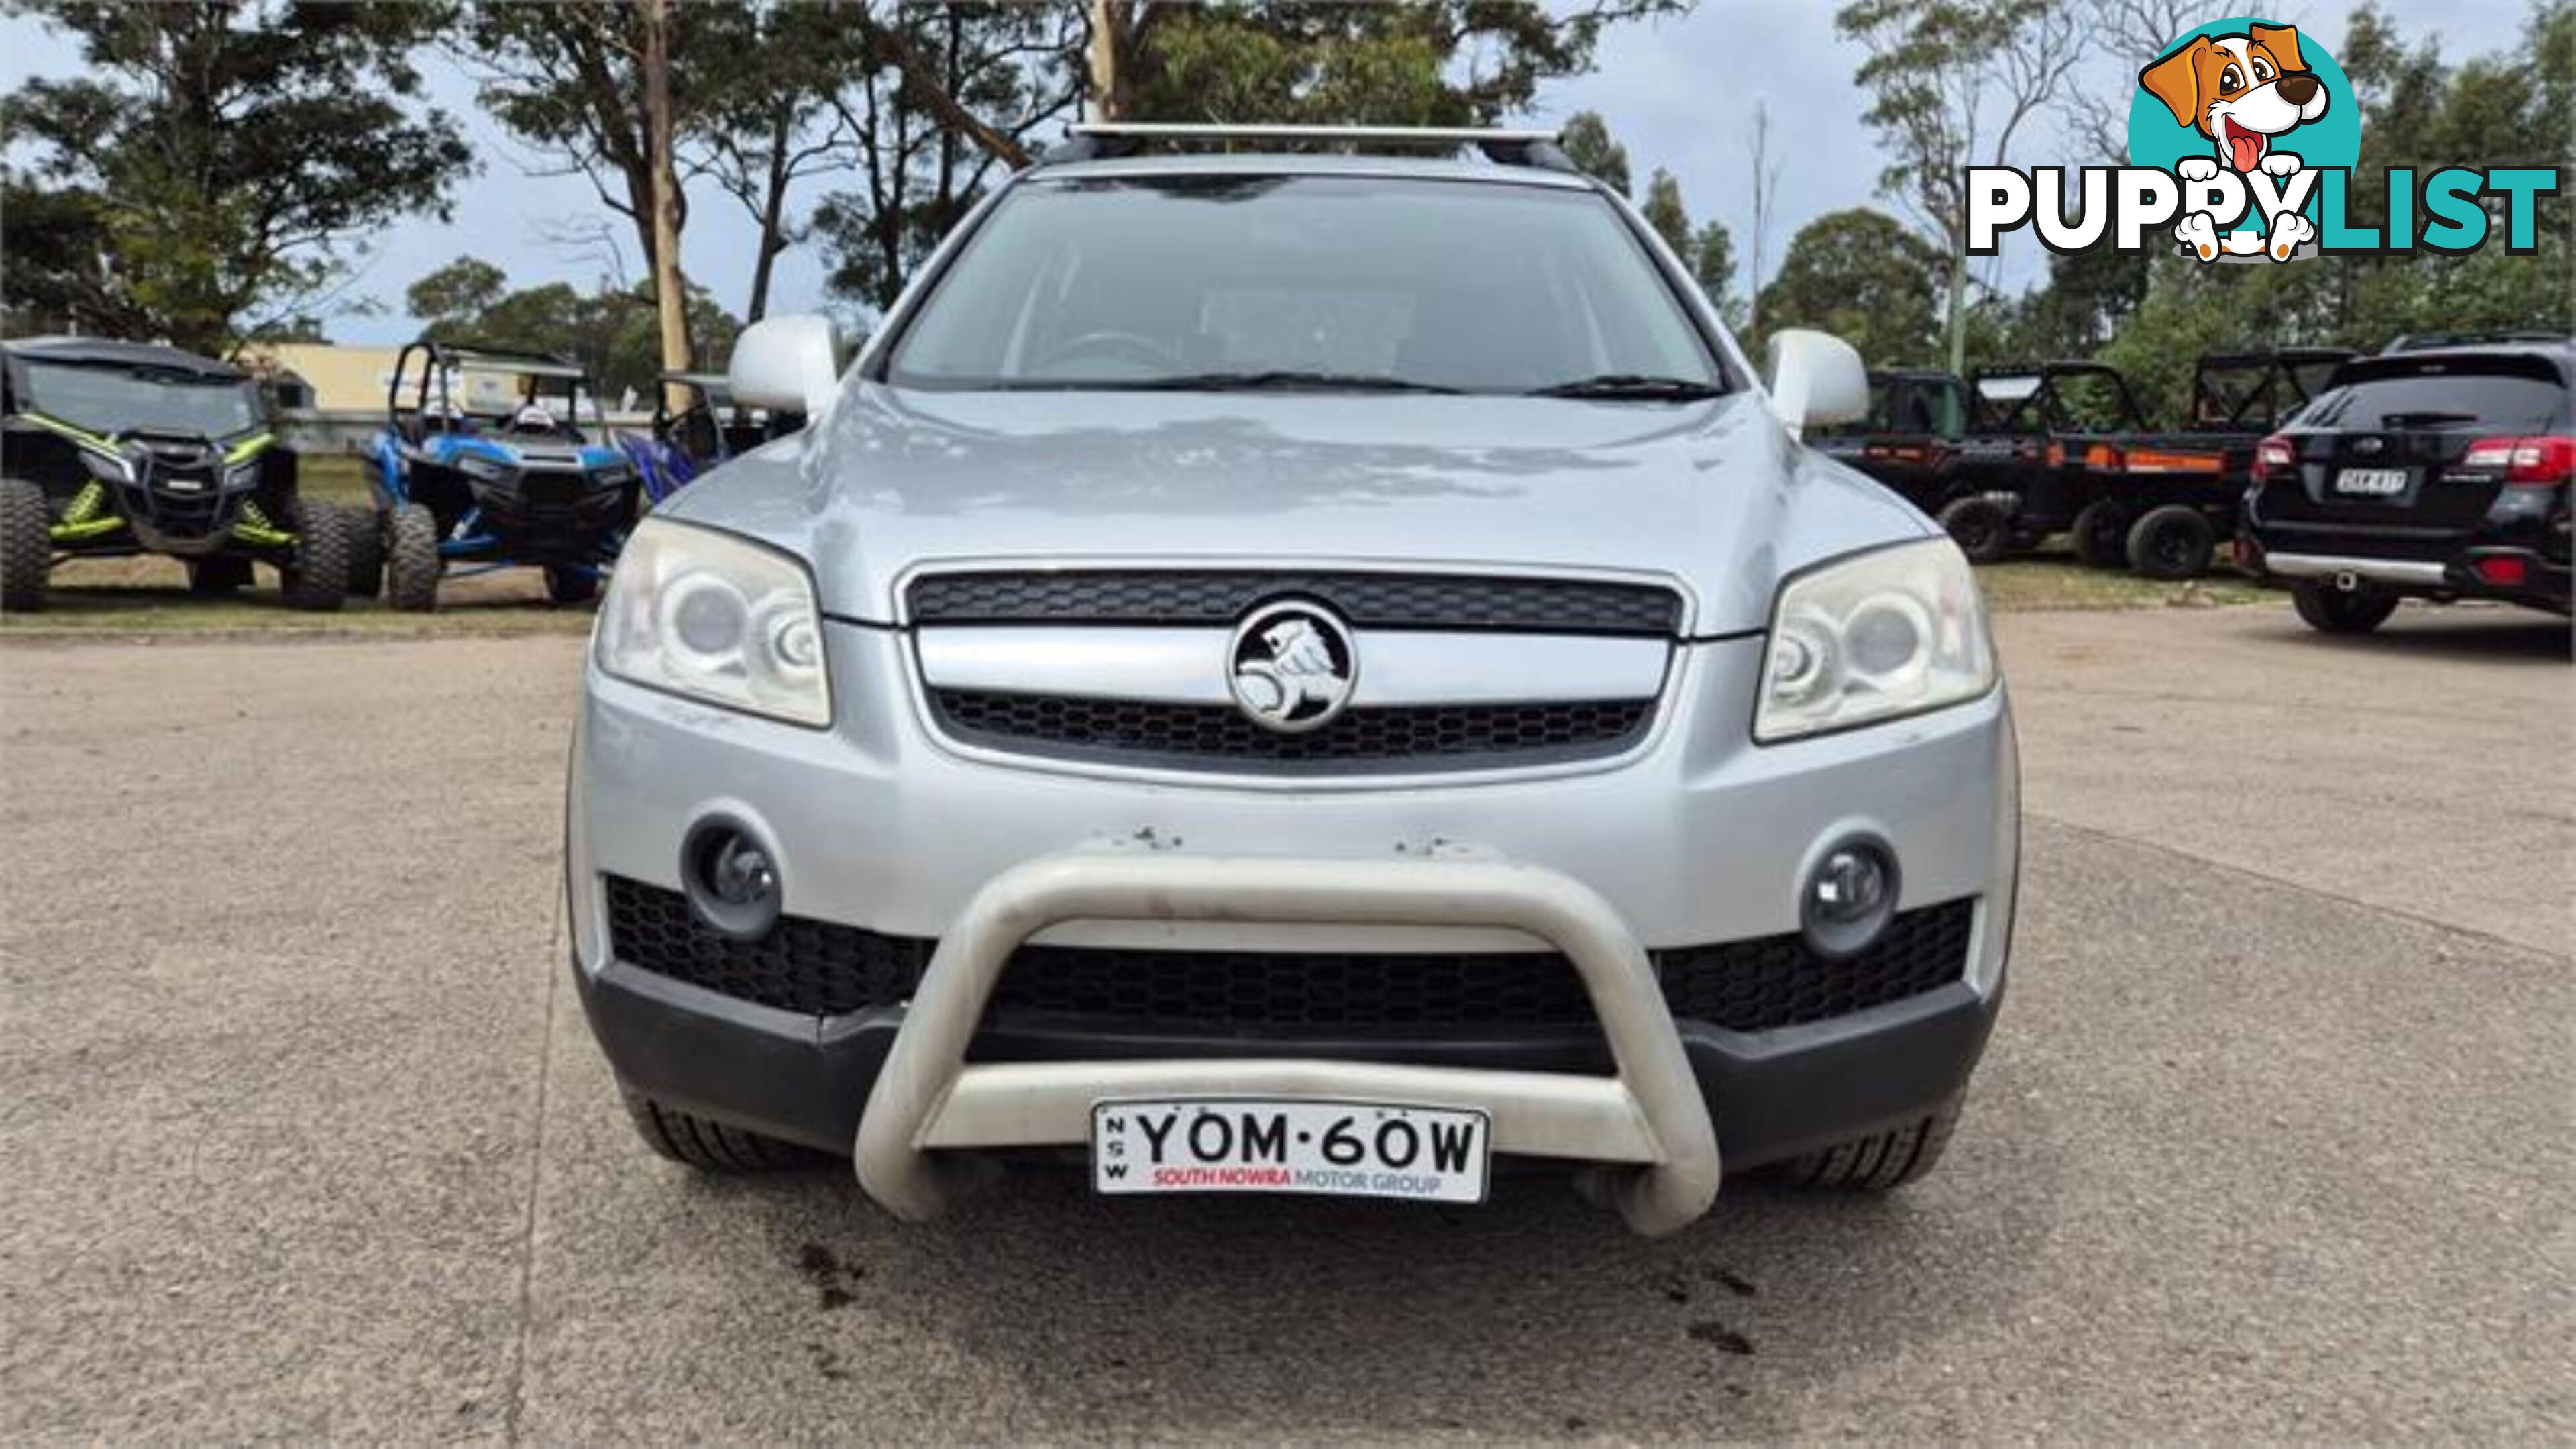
(1335, 1149)
(2371, 482)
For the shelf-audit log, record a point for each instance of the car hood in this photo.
(1713, 494)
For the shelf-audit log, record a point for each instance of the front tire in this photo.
(26, 545)
(2101, 534)
(2330, 610)
(2172, 542)
(1980, 525)
(1880, 1162)
(708, 1146)
(411, 559)
(366, 553)
(318, 579)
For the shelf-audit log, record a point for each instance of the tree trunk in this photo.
(1100, 60)
(773, 217)
(670, 290)
(1957, 325)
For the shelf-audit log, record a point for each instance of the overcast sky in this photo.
(1678, 93)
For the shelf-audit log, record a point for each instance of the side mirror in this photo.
(1816, 377)
(785, 363)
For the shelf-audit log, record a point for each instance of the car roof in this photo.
(2560, 356)
(1268, 163)
(107, 352)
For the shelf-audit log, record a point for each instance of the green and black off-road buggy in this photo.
(119, 448)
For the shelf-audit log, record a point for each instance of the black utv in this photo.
(2023, 470)
(1908, 437)
(112, 449)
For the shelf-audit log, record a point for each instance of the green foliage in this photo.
(1664, 211)
(1951, 82)
(2416, 111)
(1014, 67)
(1707, 250)
(612, 331)
(1862, 276)
(223, 153)
(1587, 143)
(1711, 258)
(1362, 64)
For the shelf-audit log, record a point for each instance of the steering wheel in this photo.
(1125, 346)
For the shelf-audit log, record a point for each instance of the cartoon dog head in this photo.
(2239, 90)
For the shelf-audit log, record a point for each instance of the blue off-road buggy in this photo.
(483, 465)
(708, 428)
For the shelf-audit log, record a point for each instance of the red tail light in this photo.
(2527, 462)
(2276, 451)
(2057, 455)
(2504, 571)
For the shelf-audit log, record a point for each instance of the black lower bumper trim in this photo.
(806, 1079)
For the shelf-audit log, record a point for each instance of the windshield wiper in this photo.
(1631, 386)
(1275, 380)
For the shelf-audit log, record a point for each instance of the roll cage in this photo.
(546, 377)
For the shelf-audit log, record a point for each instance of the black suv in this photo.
(2436, 470)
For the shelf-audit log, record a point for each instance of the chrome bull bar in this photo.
(1648, 1125)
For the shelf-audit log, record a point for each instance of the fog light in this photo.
(730, 876)
(1849, 897)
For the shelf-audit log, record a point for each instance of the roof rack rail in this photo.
(2418, 341)
(1094, 140)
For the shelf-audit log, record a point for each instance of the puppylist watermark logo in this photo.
(2243, 135)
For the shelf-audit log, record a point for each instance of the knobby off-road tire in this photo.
(1981, 526)
(366, 553)
(571, 586)
(685, 1137)
(218, 575)
(411, 559)
(2101, 534)
(2172, 542)
(2330, 610)
(1880, 1162)
(318, 579)
(26, 545)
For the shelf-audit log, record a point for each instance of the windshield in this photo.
(114, 399)
(1324, 281)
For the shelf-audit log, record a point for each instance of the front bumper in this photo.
(1699, 836)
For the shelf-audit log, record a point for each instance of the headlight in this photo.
(485, 470)
(242, 475)
(1877, 636)
(716, 618)
(108, 466)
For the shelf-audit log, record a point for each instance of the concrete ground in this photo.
(305, 1137)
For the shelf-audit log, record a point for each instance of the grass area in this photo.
(2035, 585)
(333, 478)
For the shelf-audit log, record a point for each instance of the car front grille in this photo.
(822, 969)
(1368, 600)
(1201, 736)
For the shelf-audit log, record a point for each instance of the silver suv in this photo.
(1295, 673)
